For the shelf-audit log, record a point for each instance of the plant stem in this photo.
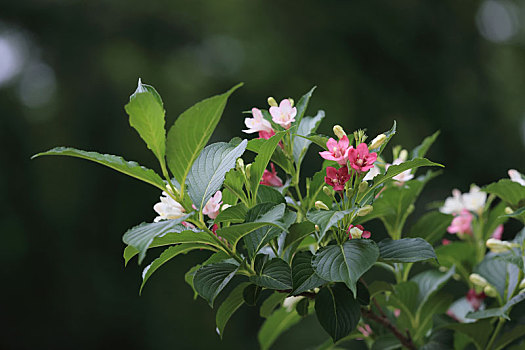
(405, 340)
(501, 321)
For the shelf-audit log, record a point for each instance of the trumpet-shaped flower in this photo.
(357, 231)
(336, 150)
(270, 178)
(168, 208)
(516, 177)
(284, 115)
(337, 178)
(257, 123)
(461, 223)
(213, 206)
(266, 134)
(360, 158)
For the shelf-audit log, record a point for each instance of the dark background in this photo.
(68, 67)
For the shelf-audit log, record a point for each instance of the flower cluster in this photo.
(283, 115)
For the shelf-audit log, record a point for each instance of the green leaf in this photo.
(191, 132)
(508, 190)
(302, 307)
(346, 263)
(251, 294)
(431, 226)
(499, 311)
(325, 219)
(146, 115)
(363, 296)
(386, 342)
(394, 170)
(430, 282)
(508, 337)
(278, 156)
(479, 332)
(167, 255)
(297, 232)
(307, 126)
(303, 104)
(268, 194)
(437, 304)
(141, 236)
(188, 278)
(405, 298)
(518, 214)
(405, 250)
(495, 272)
(389, 134)
(319, 140)
(280, 321)
(337, 311)
(234, 182)
(267, 307)
(276, 274)
(234, 214)
(207, 173)
(211, 279)
(257, 239)
(303, 275)
(117, 163)
(421, 150)
(457, 253)
(261, 161)
(315, 192)
(272, 217)
(228, 307)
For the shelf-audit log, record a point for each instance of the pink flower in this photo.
(397, 312)
(498, 232)
(257, 123)
(266, 134)
(357, 231)
(336, 150)
(475, 299)
(270, 178)
(461, 223)
(284, 115)
(213, 206)
(445, 241)
(360, 159)
(214, 229)
(337, 178)
(516, 177)
(365, 330)
(188, 225)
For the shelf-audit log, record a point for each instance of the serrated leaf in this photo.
(280, 321)
(337, 311)
(191, 132)
(430, 282)
(268, 194)
(405, 250)
(276, 274)
(209, 170)
(146, 115)
(234, 214)
(325, 219)
(257, 239)
(117, 163)
(210, 280)
(303, 275)
(297, 232)
(307, 126)
(228, 307)
(234, 182)
(169, 254)
(346, 263)
(261, 161)
(302, 104)
(278, 156)
(508, 190)
(267, 307)
(141, 236)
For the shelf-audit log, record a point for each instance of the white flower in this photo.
(213, 206)
(168, 208)
(454, 204)
(290, 302)
(257, 123)
(372, 173)
(516, 177)
(475, 199)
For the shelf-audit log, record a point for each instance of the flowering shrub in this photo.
(296, 248)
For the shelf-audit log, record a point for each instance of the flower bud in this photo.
(321, 205)
(456, 277)
(522, 284)
(348, 192)
(497, 246)
(240, 164)
(225, 206)
(317, 228)
(377, 141)
(291, 100)
(367, 209)
(478, 280)
(490, 291)
(443, 269)
(327, 191)
(248, 167)
(403, 155)
(339, 132)
(508, 210)
(363, 186)
(272, 102)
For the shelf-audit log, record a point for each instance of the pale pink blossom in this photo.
(516, 177)
(445, 241)
(372, 173)
(461, 223)
(257, 123)
(365, 330)
(498, 232)
(213, 206)
(284, 115)
(397, 312)
(405, 175)
(336, 150)
(360, 158)
(168, 208)
(270, 178)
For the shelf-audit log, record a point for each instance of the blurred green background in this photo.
(68, 67)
